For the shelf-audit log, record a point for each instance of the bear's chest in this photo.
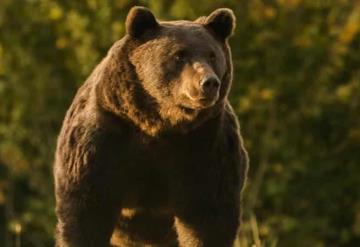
(151, 173)
(144, 172)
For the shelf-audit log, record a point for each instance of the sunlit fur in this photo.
(141, 159)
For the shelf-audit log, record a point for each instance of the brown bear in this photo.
(150, 152)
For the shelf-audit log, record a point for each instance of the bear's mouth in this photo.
(207, 101)
(191, 104)
(187, 110)
(196, 106)
(201, 103)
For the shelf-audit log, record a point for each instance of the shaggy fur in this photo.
(146, 156)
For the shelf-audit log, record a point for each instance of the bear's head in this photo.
(182, 70)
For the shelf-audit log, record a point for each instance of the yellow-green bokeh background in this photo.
(296, 91)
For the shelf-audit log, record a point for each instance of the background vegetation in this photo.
(296, 91)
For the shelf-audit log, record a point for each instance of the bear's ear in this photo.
(139, 20)
(221, 22)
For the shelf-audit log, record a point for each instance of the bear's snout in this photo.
(201, 92)
(210, 86)
(201, 85)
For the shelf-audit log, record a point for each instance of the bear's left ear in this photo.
(221, 22)
(139, 20)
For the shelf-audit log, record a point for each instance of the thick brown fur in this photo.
(146, 156)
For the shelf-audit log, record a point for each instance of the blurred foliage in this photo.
(296, 91)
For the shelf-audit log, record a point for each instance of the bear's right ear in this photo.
(139, 20)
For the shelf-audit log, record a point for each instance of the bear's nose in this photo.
(210, 85)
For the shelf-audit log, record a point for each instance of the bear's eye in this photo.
(180, 56)
(212, 56)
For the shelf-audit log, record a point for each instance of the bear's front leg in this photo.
(85, 198)
(83, 222)
(206, 227)
(208, 202)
